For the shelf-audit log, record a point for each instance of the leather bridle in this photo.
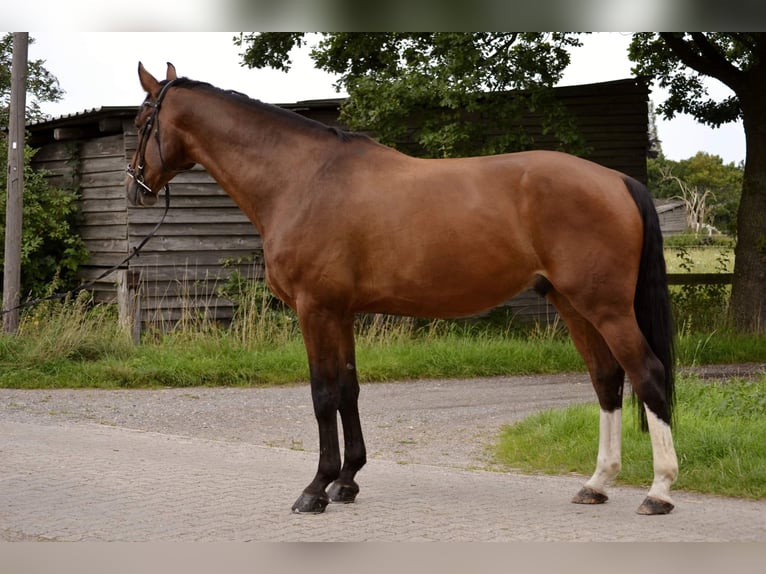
(137, 173)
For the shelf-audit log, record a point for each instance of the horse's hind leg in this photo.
(608, 380)
(647, 377)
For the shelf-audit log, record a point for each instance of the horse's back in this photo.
(452, 237)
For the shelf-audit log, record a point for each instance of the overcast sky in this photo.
(99, 69)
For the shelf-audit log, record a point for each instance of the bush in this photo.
(686, 240)
(51, 247)
(698, 308)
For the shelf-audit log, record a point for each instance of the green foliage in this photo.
(680, 62)
(700, 308)
(718, 439)
(51, 247)
(52, 250)
(41, 84)
(448, 87)
(706, 172)
(724, 244)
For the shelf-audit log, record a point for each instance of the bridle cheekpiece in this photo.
(137, 173)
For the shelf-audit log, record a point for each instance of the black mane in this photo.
(283, 114)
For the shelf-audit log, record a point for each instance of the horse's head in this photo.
(159, 155)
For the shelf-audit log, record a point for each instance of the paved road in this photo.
(226, 464)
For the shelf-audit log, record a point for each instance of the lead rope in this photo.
(133, 253)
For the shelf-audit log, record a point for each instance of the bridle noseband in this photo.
(137, 173)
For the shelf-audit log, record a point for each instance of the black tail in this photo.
(652, 300)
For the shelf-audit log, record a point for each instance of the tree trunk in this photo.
(748, 294)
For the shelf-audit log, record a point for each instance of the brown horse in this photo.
(351, 226)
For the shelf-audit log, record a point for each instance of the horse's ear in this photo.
(171, 75)
(148, 82)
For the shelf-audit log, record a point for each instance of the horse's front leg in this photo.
(345, 489)
(321, 334)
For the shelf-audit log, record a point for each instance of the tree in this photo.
(702, 172)
(41, 84)
(695, 199)
(680, 62)
(51, 248)
(446, 87)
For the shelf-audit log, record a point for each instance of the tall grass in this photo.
(76, 331)
(79, 344)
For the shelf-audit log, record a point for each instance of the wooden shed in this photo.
(182, 268)
(673, 216)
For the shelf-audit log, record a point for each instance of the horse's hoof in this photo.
(652, 505)
(589, 496)
(343, 493)
(311, 503)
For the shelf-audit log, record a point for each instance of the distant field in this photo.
(713, 259)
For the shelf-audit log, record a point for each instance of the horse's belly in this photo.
(446, 297)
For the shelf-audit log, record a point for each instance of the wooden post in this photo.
(15, 204)
(129, 302)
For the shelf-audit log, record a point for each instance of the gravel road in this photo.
(226, 464)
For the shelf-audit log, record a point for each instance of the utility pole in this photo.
(14, 205)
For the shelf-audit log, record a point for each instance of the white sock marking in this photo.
(664, 456)
(609, 460)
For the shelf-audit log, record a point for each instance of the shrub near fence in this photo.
(700, 300)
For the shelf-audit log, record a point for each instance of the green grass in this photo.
(708, 259)
(218, 360)
(78, 346)
(718, 432)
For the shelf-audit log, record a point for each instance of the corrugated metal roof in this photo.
(87, 115)
(90, 114)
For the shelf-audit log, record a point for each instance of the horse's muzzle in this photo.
(137, 195)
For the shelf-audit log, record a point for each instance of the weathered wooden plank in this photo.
(104, 179)
(101, 164)
(104, 205)
(103, 260)
(166, 319)
(55, 151)
(208, 259)
(106, 245)
(191, 273)
(54, 166)
(185, 202)
(192, 195)
(106, 218)
(102, 146)
(208, 303)
(216, 217)
(88, 273)
(529, 305)
(161, 244)
(595, 116)
(91, 232)
(98, 193)
(178, 296)
(194, 229)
